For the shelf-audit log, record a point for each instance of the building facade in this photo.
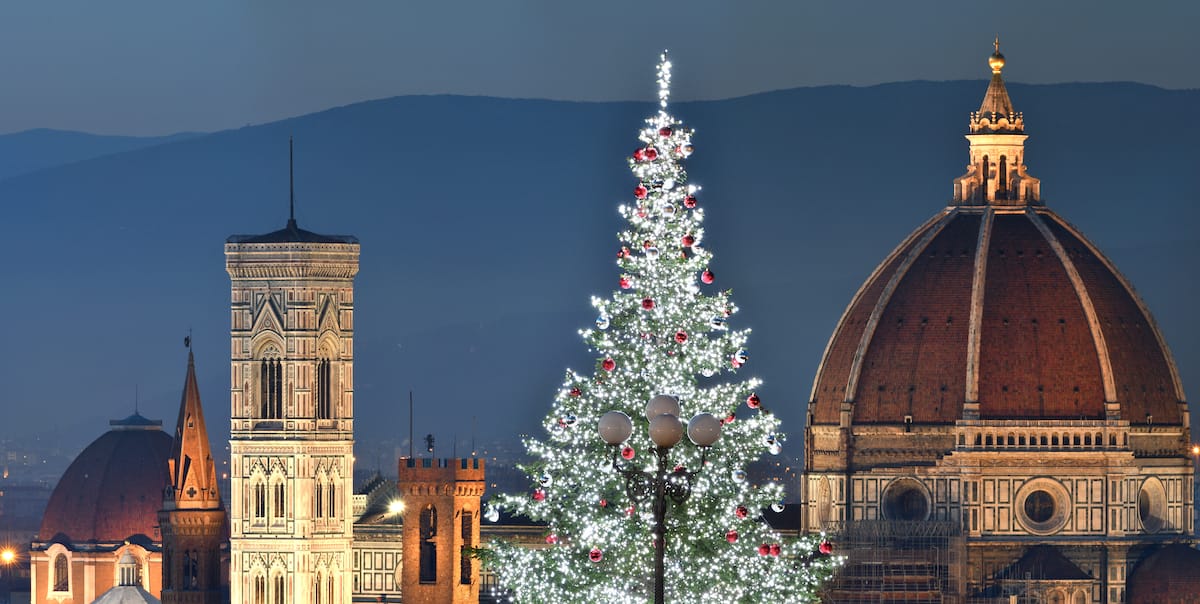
(996, 415)
(440, 524)
(291, 416)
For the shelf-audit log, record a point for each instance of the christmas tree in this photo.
(664, 338)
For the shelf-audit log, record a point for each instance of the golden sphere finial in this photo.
(996, 61)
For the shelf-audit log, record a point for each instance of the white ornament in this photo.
(602, 322)
(777, 507)
(652, 253)
(739, 476)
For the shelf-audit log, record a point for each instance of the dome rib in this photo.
(884, 298)
(1089, 311)
(971, 396)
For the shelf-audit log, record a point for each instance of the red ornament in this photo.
(539, 495)
(639, 155)
(681, 336)
(603, 503)
(775, 549)
(825, 548)
(621, 253)
(551, 538)
(595, 555)
(690, 201)
(764, 549)
(679, 469)
(688, 241)
(641, 212)
(647, 244)
(729, 418)
(731, 536)
(576, 392)
(664, 131)
(608, 364)
(741, 511)
(651, 153)
(630, 511)
(640, 192)
(707, 276)
(627, 453)
(624, 282)
(648, 303)
(753, 401)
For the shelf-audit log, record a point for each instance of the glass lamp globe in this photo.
(662, 404)
(615, 427)
(704, 429)
(666, 430)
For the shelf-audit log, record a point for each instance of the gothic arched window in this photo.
(324, 390)
(278, 589)
(270, 389)
(428, 531)
(278, 499)
(331, 500)
(259, 498)
(258, 593)
(62, 581)
(319, 492)
(191, 568)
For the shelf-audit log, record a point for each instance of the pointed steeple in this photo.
(996, 173)
(193, 474)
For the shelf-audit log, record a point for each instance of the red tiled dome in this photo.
(1060, 331)
(114, 488)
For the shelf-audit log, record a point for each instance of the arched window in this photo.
(428, 532)
(468, 525)
(191, 570)
(316, 589)
(278, 590)
(329, 588)
(319, 498)
(260, 498)
(278, 500)
(1002, 182)
(62, 581)
(331, 501)
(270, 389)
(324, 390)
(983, 169)
(258, 593)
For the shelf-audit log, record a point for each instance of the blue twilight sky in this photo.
(140, 67)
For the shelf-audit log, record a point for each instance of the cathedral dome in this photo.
(984, 313)
(114, 488)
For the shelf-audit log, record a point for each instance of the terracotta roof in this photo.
(114, 488)
(1060, 331)
(1169, 575)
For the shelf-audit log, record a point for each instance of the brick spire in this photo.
(193, 474)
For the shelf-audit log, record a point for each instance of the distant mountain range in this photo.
(486, 225)
(30, 150)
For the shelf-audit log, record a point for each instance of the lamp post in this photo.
(666, 430)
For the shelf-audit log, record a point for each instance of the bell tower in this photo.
(441, 520)
(996, 173)
(292, 415)
(193, 519)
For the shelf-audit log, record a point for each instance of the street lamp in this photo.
(666, 430)
(7, 557)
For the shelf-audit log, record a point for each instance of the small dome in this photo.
(1171, 574)
(114, 488)
(996, 62)
(1060, 331)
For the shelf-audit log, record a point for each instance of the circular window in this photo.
(1152, 505)
(906, 499)
(1042, 506)
(1039, 506)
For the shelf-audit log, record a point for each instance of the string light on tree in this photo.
(662, 340)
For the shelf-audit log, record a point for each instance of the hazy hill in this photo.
(487, 223)
(31, 150)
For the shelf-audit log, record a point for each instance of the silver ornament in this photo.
(739, 476)
(602, 322)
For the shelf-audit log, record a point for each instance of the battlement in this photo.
(444, 470)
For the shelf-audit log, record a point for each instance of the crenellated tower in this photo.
(441, 522)
(193, 521)
(996, 173)
(292, 415)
